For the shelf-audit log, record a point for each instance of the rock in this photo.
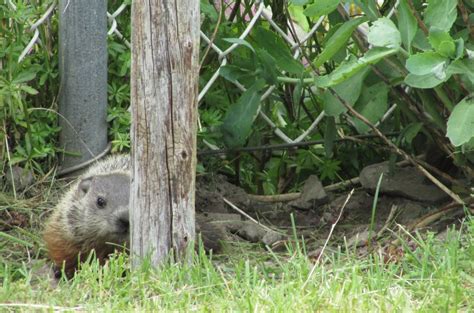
(21, 177)
(272, 237)
(312, 195)
(360, 200)
(42, 270)
(405, 182)
(223, 217)
(359, 239)
(252, 232)
(410, 211)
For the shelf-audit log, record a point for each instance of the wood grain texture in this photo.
(164, 88)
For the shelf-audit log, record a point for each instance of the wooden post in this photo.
(164, 89)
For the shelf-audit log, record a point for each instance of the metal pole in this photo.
(83, 72)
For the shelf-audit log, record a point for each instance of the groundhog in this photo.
(94, 215)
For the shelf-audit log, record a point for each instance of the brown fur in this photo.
(79, 225)
(61, 251)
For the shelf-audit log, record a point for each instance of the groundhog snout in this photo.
(122, 222)
(123, 225)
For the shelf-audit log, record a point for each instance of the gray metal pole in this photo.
(83, 72)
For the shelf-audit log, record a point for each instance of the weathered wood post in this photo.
(164, 88)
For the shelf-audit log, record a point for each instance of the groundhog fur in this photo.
(93, 215)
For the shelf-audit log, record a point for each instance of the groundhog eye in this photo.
(101, 202)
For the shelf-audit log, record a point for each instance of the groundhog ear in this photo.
(85, 185)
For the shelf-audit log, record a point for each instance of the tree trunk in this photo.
(164, 89)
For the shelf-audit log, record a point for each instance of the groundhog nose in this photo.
(123, 224)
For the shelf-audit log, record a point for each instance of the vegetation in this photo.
(436, 276)
(414, 58)
(28, 89)
(355, 72)
(424, 48)
(403, 66)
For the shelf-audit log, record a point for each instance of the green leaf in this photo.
(278, 49)
(384, 33)
(421, 41)
(349, 90)
(461, 122)
(269, 67)
(29, 90)
(372, 105)
(24, 77)
(298, 91)
(338, 40)
(43, 78)
(298, 2)
(329, 136)
(411, 130)
(442, 43)
(430, 108)
(209, 10)
(425, 63)
(369, 7)
(237, 123)
(321, 7)
(352, 67)
(424, 81)
(459, 48)
(441, 14)
(240, 42)
(406, 24)
(463, 67)
(233, 73)
(296, 13)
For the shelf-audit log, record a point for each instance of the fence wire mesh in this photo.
(259, 13)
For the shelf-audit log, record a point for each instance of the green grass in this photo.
(436, 276)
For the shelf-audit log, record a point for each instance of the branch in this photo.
(399, 151)
(285, 146)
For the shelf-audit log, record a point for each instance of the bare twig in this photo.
(327, 240)
(439, 173)
(350, 182)
(9, 160)
(429, 218)
(396, 149)
(291, 145)
(433, 216)
(390, 218)
(233, 206)
(40, 306)
(418, 18)
(295, 195)
(214, 34)
(465, 17)
(285, 197)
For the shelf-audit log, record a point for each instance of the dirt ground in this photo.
(345, 216)
(220, 201)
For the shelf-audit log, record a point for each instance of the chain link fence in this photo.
(33, 26)
(259, 13)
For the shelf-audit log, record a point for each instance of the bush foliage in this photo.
(410, 58)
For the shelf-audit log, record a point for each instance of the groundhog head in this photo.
(101, 213)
